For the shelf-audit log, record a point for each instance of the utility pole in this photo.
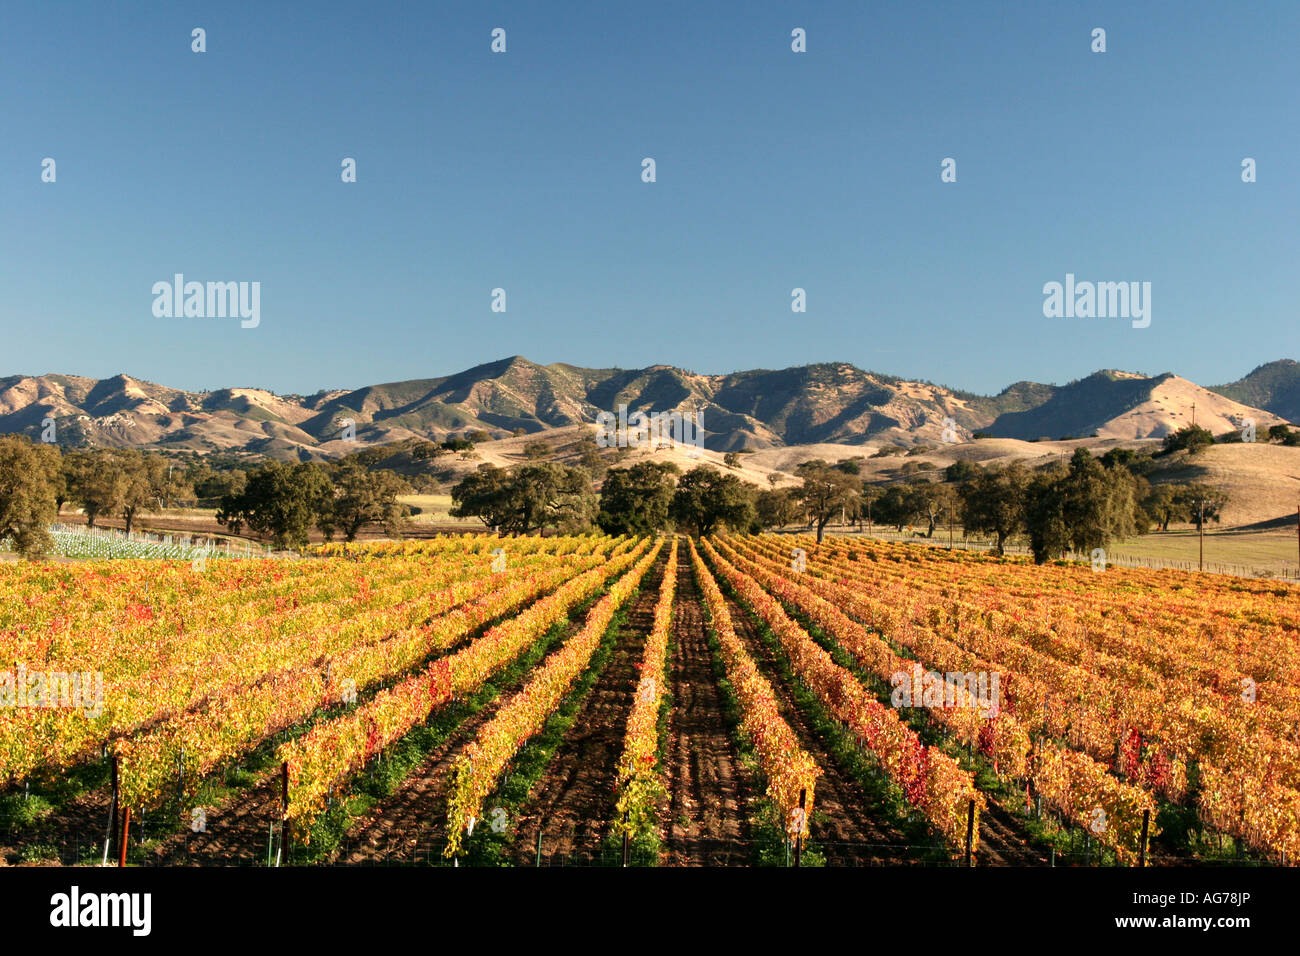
(1201, 527)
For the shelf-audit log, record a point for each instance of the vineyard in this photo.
(741, 700)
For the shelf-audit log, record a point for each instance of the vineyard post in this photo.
(949, 527)
(539, 846)
(116, 796)
(798, 840)
(627, 844)
(970, 833)
(284, 805)
(1142, 851)
(126, 829)
(1200, 526)
(1297, 536)
(112, 815)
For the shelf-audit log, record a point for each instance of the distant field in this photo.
(1250, 553)
(1264, 549)
(432, 509)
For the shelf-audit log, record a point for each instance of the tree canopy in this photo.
(706, 499)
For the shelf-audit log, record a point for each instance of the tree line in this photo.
(278, 500)
(1076, 505)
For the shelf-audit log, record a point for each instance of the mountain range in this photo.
(828, 402)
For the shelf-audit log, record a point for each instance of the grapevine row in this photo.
(333, 750)
(640, 785)
(479, 766)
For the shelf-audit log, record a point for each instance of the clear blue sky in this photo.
(523, 171)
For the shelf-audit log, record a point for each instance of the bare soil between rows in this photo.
(846, 825)
(572, 806)
(710, 793)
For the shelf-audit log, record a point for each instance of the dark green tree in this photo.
(897, 506)
(282, 501)
(142, 486)
(635, 500)
(529, 498)
(487, 494)
(1160, 504)
(825, 493)
(1049, 536)
(1098, 504)
(99, 487)
(959, 471)
(1190, 437)
(1198, 501)
(775, 507)
(707, 500)
(992, 502)
(931, 500)
(365, 497)
(28, 477)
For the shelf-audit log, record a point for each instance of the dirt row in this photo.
(847, 826)
(710, 793)
(573, 804)
(852, 834)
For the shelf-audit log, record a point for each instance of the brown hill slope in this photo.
(825, 404)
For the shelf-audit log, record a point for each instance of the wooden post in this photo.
(1142, 852)
(627, 842)
(539, 846)
(126, 829)
(950, 527)
(113, 835)
(803, 816)
(1201, 528)
(970, 833)
(284, 804)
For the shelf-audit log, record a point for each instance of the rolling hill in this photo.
(1112, 404)
(1274, 387)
